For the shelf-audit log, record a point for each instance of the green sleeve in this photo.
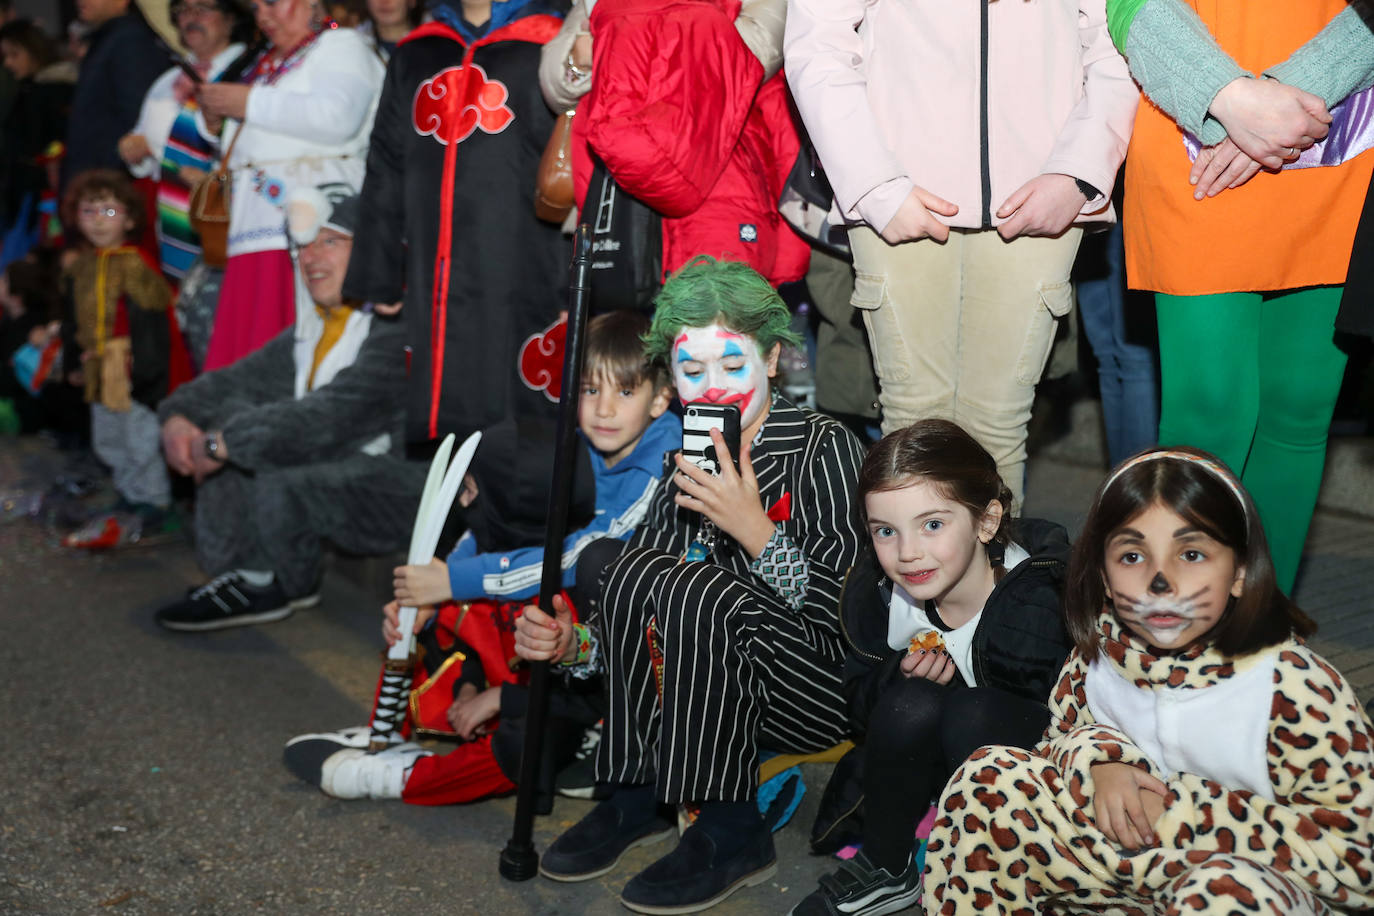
(1337, 61)
(1120, 15)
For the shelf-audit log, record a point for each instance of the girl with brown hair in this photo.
(953, 635)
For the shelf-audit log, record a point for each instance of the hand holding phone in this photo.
(697, 422)
(728, 492)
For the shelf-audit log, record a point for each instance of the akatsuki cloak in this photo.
(448, 222)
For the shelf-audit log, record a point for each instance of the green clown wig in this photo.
(705, 291)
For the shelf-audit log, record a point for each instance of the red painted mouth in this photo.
(722, 396)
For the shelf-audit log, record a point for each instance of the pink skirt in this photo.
(257, 301)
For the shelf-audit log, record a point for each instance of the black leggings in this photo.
(918, 734)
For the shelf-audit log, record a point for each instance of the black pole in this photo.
(519, 861)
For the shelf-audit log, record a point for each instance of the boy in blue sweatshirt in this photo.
(623, 417)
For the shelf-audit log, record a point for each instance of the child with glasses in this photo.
(122, 343)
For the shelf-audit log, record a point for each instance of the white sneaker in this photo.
(354, 773)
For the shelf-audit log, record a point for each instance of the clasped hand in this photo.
(730, 498)
(1127, 803)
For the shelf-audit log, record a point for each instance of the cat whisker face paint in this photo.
(719, 366)
(1169, 581)
(1162, 619)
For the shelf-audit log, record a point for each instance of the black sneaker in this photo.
(696, 875)
(593, 846)
(861, 888)
(578, 779)
(226, 601)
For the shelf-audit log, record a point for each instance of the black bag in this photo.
(840, 820)
(806, 200)
(627, 245)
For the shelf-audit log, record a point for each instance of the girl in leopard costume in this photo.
(1201, 759)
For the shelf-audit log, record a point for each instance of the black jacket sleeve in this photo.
(376, 270)
(150, 339)
(864, 680)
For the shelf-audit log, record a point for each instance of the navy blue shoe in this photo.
(591, 847)
(699, 873)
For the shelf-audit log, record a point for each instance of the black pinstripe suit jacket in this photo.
(803, 460)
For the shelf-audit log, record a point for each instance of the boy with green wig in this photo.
(743, 650)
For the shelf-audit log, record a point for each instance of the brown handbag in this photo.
(553, 185)
(209, 208)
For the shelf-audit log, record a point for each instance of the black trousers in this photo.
(918, 733)
(740, 671)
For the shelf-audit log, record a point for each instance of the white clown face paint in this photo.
(718, 366)
(1169, 581)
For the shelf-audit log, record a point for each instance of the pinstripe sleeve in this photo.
(826, 521)
(663, 528)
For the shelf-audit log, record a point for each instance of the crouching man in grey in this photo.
(296, 443)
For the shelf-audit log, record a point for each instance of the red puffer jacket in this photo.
(677, 114)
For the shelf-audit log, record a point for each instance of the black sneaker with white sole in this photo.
(862, 888)
(227, 601)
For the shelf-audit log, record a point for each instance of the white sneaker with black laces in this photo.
(861, 888)
(352, 773)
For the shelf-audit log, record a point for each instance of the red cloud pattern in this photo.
(439, 112)
(541, 360)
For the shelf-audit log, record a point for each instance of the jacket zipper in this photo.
(845, 632)
(983, 114)
(979, 674)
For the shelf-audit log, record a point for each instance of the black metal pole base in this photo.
(519, 862)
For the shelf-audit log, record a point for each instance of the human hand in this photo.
(1269, 120)
(932, 664)
(191, 175)
(469, 491)
(541, 638)
(730, 498)
(471, 711)
(1044, 206)
(179, 437)
(391, 621)
(581, 53)
(417, 586)
(387, 308)
(1120, 807)
(224, 100)
(133, 148)
(1220, 167)
(915, 218)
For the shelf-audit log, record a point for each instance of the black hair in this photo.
(28, 35)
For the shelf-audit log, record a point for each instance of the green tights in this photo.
(1253, 378)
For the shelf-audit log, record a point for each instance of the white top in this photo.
(907, 617)
(296, 132)
(1220, 732)
(160, 110)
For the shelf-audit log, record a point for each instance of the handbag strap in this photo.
(229, 151)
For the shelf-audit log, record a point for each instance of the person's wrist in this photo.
(214, 447)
